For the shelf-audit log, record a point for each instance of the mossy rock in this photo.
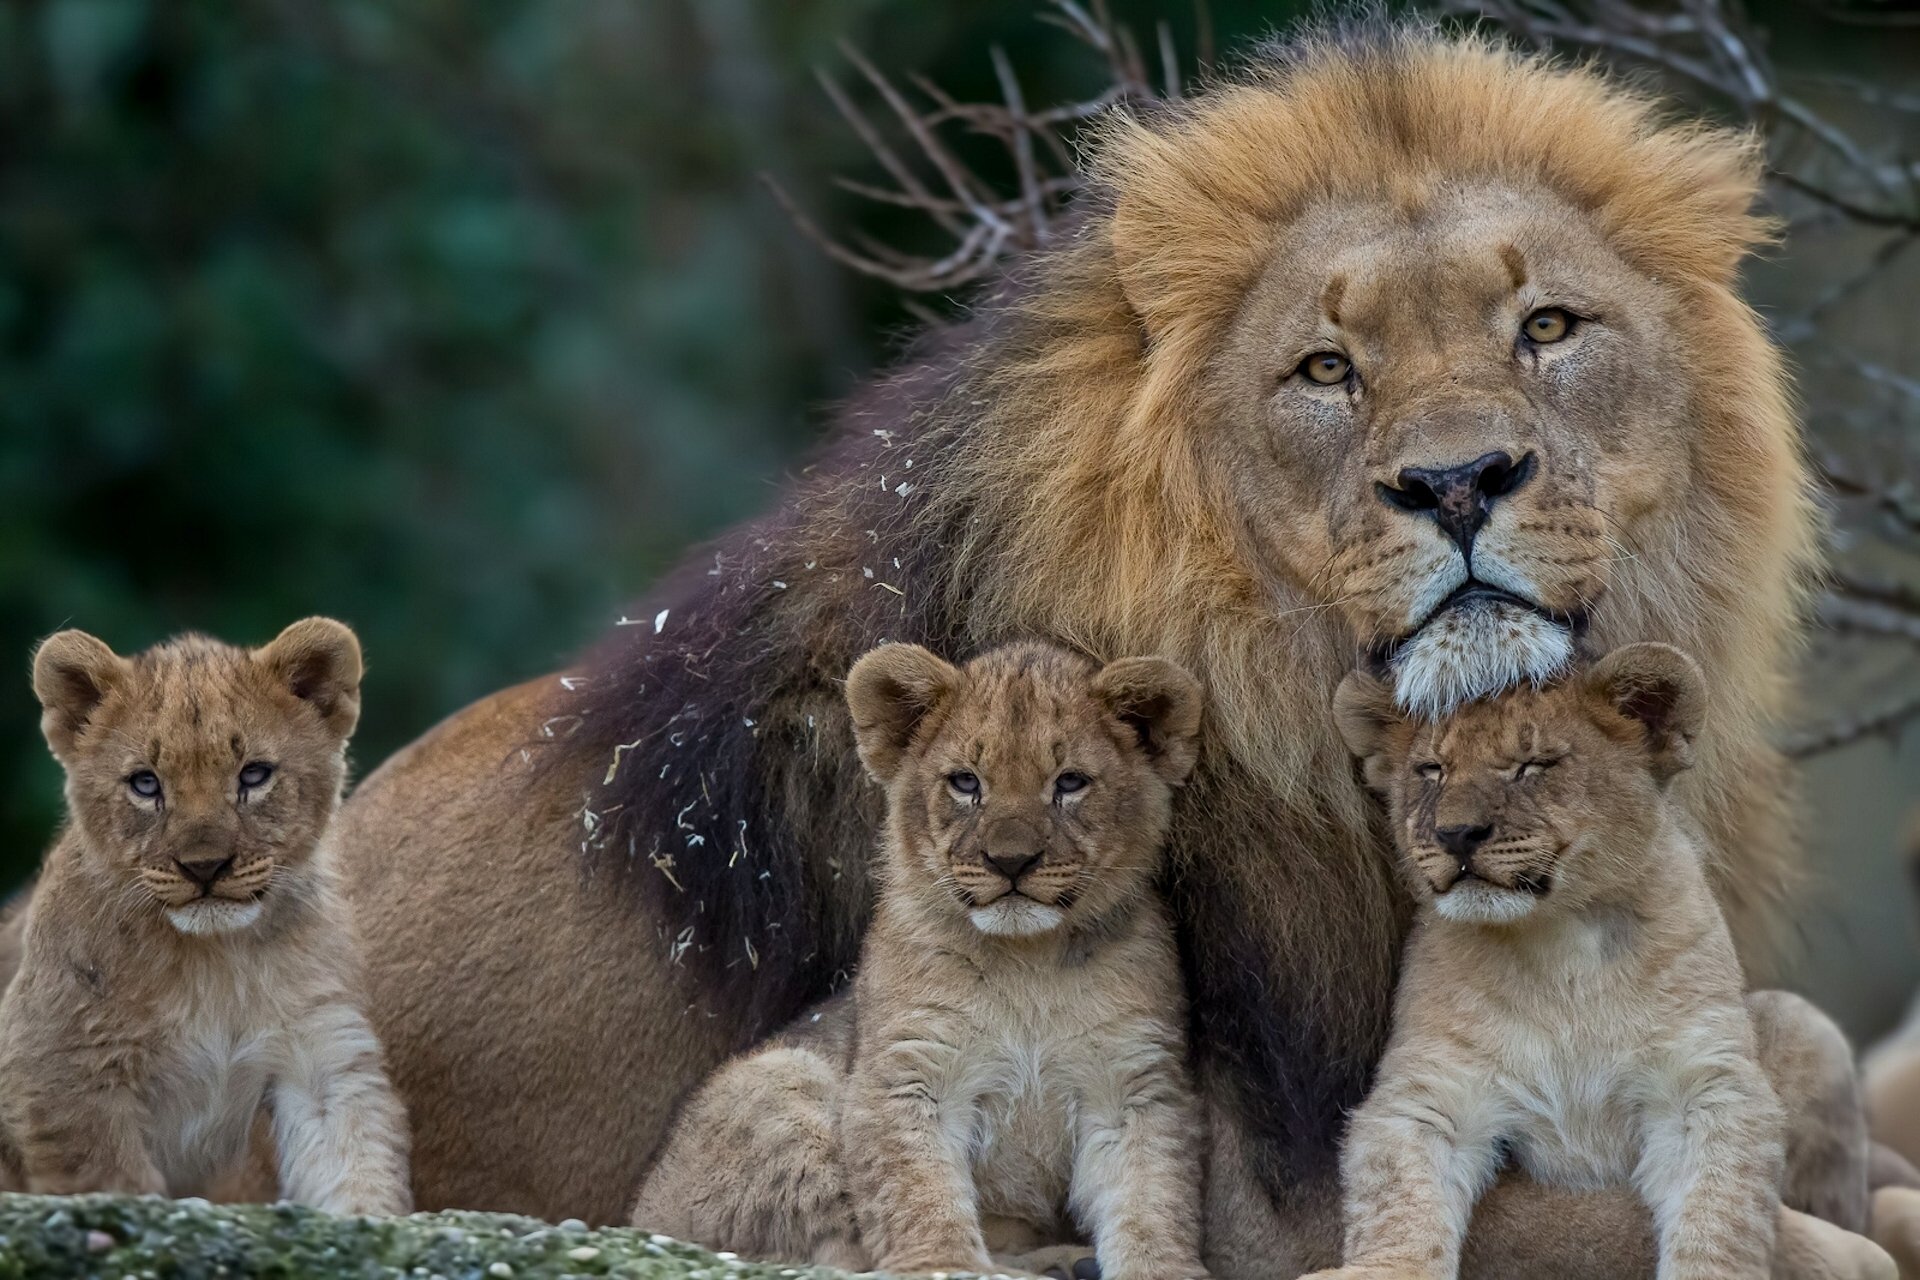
(148, 1238)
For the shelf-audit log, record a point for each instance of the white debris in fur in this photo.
(660, 621)
(1474, 650)
(613, 766)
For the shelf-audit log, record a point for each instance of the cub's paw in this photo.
(368, 1198)
(138, 1181)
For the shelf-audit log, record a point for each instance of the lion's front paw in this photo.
(1896, 1227)
(1054, 1262)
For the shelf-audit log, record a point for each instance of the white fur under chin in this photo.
(1476, 902)
(1015, 917)
(211, 916)
(1476, 649)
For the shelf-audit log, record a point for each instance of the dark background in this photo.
(458, 320)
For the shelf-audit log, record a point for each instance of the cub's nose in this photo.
(203, 871)
(1462, 841)
(1459, 498)
(1011, 865)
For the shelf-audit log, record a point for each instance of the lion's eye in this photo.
(1548, 324)
(1534, 768)
(964, 783)
(1328, 368)
(255, 774)
(1068, 783)
(1431, 772)
(145, 784)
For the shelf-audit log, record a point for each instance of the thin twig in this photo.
(1883, 721)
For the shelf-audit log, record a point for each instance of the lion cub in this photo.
(1570, 998)
(187, 955)
(1009, 1069)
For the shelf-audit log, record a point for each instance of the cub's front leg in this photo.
(1136, 1181)
(1417, 1157)
(85, 1132)
(1712, 1153)
(907, 1167)
(340, 1129)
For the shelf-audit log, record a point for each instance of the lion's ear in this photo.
(73, 673)
(319, 660)
(1365, 713)
(1661, 688)
(890, 693)
(1159, 702)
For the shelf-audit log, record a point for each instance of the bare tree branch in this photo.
(986, 225)
(1885, 721)
(1865, 617)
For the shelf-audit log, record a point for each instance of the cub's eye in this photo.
(1548, 324)
(1431, 772)
(965, 783)
(255, 774)
(1068, 783)
(1328, 368)
(145, 784)
(1534, 768)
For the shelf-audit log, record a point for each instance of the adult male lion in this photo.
(1402, 345)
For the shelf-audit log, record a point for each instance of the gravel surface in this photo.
(148, 1238)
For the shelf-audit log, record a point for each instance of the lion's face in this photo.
(1448, 417)
(1027, 789)
(203, 774)
(1539, 797)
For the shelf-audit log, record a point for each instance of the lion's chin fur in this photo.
(1476, 903)
(211, 916)
(1474, 650)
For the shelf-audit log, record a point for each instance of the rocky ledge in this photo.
(147, 1238)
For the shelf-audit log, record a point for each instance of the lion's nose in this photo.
(203, 871)
(1462, 841)
(1012, 863)
(1459, 498)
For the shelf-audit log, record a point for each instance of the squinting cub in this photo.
(1009, 1070)
(1570, 999)
(187, 955)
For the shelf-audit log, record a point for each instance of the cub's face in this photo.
(1539, 799)
(204, 775)
(1028, 789)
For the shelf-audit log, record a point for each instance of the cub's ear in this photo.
(319, 659)
(890, 693)
(1663, 689)
(72, 674)
(1160, 702)
(1365, 713)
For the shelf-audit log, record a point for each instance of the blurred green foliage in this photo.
(454, 319)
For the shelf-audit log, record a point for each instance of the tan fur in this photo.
(155, 1011)
(1009, 1070)
(1570, 997)
(1120, 481)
